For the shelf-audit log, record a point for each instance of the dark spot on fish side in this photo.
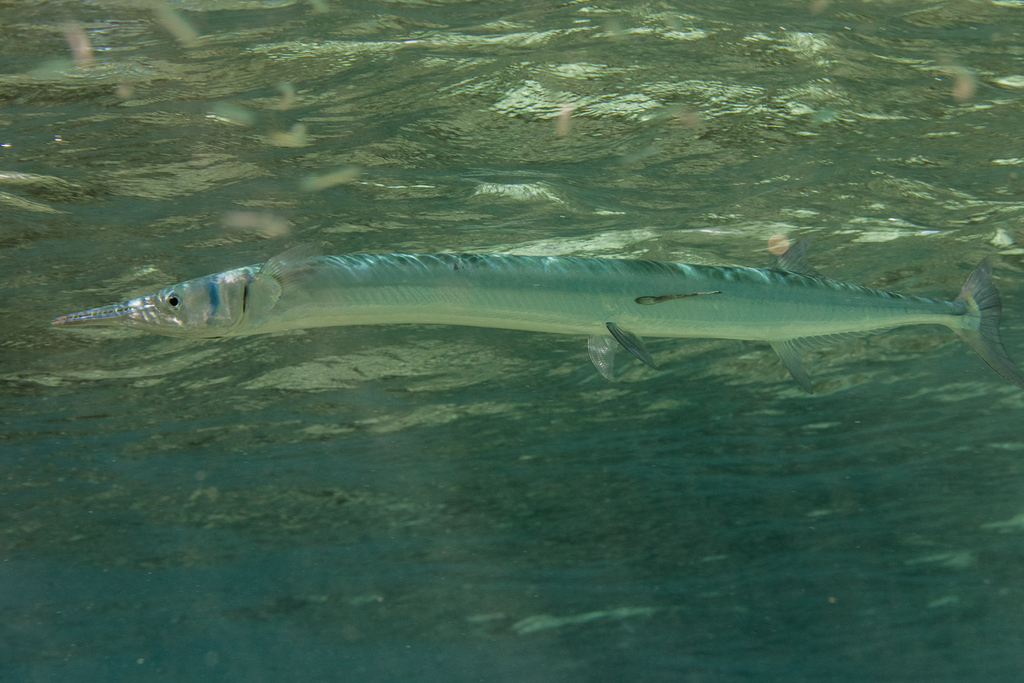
(651, 300)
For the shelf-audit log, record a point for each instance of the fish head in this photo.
(206, 307)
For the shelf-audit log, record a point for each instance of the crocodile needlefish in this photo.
(614, 302)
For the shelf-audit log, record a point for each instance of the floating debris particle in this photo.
(542, 622)
(261, 222)
(484, 618)
(287, 91)
(684, 116)
(943, 601)
(1001, 239)
(78, 41)
(315, 183)
(778, 244)
(234, 113)
(964, 84)
(564, 120)
(1012, 524)
(296, 137)
(1015, 81)
(175, 24)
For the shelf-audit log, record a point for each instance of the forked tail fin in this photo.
(982, 331)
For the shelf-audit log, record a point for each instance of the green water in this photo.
(450, 504)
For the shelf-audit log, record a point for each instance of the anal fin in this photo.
(632, 343)
(789, 353)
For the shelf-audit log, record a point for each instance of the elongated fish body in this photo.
(613, 302)
(569, 295)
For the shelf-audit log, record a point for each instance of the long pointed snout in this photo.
(114, 314)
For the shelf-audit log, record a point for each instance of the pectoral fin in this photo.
(263, 291)
(632, 343)
(282, 266)
(789, 353)
(602, 354)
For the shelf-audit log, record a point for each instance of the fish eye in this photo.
(172, 300)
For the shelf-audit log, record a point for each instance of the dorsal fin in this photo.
(795, 260)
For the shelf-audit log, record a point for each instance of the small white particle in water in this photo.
(174, 23)
(943, 601)
(822, 425)
(957, 559)
(260, 222)
(543, 622)
(234, 113)
(81, 51)
(1001, 239)
(964, 84)
(778, 244)
(315, 183)
(287, 91)
(296, 137)
(1008, 445)
(1015, 81)
(483, 618)
(563, 120)
(1012, 524)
